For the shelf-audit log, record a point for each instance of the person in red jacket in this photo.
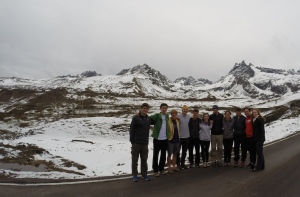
(249, 138)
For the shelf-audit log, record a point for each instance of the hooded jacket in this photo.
(158, 123)
(139, 129)
(259, 130)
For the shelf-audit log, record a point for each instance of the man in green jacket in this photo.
(160, 139)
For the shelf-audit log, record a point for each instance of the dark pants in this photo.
(260, 165)
(204, 150)
(136, 151)
(240, 142)
(194, 143)
(184, 144)
(159, 146)
(227, 149)
(251, 148)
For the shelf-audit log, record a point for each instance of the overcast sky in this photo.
(203, 39)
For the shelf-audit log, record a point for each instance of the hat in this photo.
(215, 107)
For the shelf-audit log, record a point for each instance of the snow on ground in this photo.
(103, 150)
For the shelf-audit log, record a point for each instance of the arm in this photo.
(132, 130)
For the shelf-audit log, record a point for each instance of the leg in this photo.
(206, 151)
(135, 151)
(156, 149)
(237, 142)
(178, 154)
(213, 147)
(243, 148)
(230, 143)
(144, 157)
(162, 160)
(219, 147)
(260, 155)
(191, 147)
(202, 150)
(185, 144)
(197, 147)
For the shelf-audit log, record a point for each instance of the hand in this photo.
(137, 113)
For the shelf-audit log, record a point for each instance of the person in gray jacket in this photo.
(205, 137)
(228, 123)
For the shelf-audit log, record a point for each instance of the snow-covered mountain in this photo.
(191, 81)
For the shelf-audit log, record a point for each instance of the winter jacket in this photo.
(239, 125)
(228, 128)
(194, 127)
(259, 130)
(139, 129)
(157, 126)
(205, 131)
(171, 128)
(217, 128)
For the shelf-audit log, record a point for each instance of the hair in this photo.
(249, 109)
(238, 109)
(185, 107)
(195, 110)
(163, 104)
(259, 115)
(145, 105)
(203, 118)
(227, 111)
(173, 111)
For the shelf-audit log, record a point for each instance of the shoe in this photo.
(252, 166)
(204, 165)
(183, 167)
(135, 179)
(146, 178)
(242, 165)
(249, 165)
(163, 172)
(156, 174)
(254, 170)
(207, 164)
(170, 171)
(219, 164)
(192, 166)
(225, 164)
(176, 169)
(229, 164)
(197, 166)
(236, 164)
(213, 163)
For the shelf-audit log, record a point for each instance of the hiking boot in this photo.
(146, 178)
(197, 165)
(219, 164)
(204, 165)
(176, 169)
(242, 165)
(229, 164)
(225, 164)
(213, 163)
(184, 167)
(249, 165)
(135, 179)
(192, 166)
(170, 171)
(156, 174)
(252, 166)
(236, 164)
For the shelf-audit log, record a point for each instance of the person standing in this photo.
(139, 138)
(173, 145)
(259, 139)
(216, 137)
(239, 138)
(194, 141)
(205, 137)
(184, 119)
(249, 138)
(228, 137)
(160, 139)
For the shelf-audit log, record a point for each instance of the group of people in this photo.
(181, 133)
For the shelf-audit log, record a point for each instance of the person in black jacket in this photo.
(259, 139)
(216, 137)
(194, 140)
(239, 137)
(139, 138)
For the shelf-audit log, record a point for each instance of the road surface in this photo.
(280, 178)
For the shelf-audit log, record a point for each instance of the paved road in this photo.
(280, 178)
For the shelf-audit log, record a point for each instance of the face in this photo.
(163, 109)
(174, 116)
(144, 110)
(247, 112)
(255, 113)
(215, 111)
(239, 113)
(195, 114)
(227, 115)
(206, 117)
(184, 111)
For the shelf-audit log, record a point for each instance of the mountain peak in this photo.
(242, 70)
(89, 74)
(186, 81)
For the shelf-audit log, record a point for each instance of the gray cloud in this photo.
(179, 38)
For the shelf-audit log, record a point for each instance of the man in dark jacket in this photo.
(216, 137)
(139, 138)
(194, 140)
(239, 137)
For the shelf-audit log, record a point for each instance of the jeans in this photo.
(159, 146)
(227, 149)
(252, 150)
(260, 165)
(204, 150)
(184, 144)
(240, 141)
(194, 143)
